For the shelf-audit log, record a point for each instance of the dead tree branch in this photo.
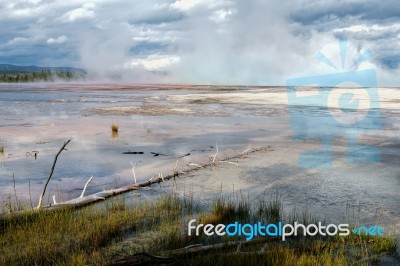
(84, 188)
(153, 180)
(216, 154)
(89, 199)
(51, 173)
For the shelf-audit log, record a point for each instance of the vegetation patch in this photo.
(114, 131)
(44, 75)
(155, 232)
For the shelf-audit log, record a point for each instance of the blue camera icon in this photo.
(333, 110)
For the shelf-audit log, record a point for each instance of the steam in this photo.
(226, 43)
(223, 42)
(245, 43)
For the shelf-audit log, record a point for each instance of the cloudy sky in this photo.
(204, 41)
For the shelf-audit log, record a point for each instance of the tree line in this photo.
(44, 75)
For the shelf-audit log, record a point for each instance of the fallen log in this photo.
(133, 152)
(195, 250)
(102, 195)
(192, 249)
(155, 154)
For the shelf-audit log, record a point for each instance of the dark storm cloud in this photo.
(323, 11)
(373, 24)
(392, 61)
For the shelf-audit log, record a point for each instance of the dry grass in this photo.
(114, 128)
(68, 237)
(94, 236)
(114, 131)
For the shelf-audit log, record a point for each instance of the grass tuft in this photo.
(269, 211)
(114, 128)
(114, 131)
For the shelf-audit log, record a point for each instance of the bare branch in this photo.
(246, 150)
(84, 188)
(215, 156)
(89, 199)
(15, 193)
(176, 165)
(133, 169)
(194, 164)
(160, 175)
(51, 173)
(229, 163)
(152, 178)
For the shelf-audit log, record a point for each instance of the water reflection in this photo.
(39, 120)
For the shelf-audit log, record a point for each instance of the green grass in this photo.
(1, 149)
(117, 231)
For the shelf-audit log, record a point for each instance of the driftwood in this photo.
(187, 154)
(133, 152)
(51, 173)
(192, 249)
(155, 154)
(85, 200)
(132, 186)
(137, 259)
(195, 250)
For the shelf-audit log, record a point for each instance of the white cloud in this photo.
(185, 5)
(189, 5)
(58, 40)
(214, 41)
(17, 40)
(84, 12)
(24, 41)
(366, 31)
(154, 62)
(222, 14)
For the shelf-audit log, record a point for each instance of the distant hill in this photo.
(8, 68)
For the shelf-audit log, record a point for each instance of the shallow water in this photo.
(40, 118)
(174, 123)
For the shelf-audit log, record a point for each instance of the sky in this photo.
(204, 41)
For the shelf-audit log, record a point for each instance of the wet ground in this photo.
(159, 125)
